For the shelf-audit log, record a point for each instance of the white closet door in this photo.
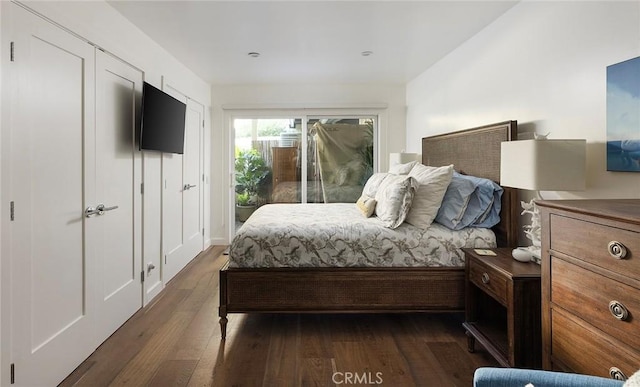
(52, 180)
(192, 175)
(118, 179)
(182, 194)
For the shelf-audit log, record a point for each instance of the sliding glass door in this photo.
(301, 159)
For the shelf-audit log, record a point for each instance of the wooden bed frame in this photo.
(473, 151)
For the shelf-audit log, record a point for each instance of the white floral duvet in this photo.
(338, 235)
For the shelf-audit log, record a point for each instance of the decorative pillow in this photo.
(455, 203)
(402, 169)
(394, 199)
(371, 186)
(433, 183)
(366, 205)
(482, 207)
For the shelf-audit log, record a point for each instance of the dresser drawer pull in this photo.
(616, 374)
(485, 278)
(617, 250)
(618, 310)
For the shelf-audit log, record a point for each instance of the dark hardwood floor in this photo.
(175, 341)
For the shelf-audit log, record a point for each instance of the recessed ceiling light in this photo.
(254, 54)
(366, 53)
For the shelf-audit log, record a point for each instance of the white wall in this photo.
(4, 350)
(543, 64)
(389, 98)
(99, 23)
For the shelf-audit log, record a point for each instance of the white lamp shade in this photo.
(403, 158)
(543, 165)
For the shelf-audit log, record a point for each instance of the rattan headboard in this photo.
(476, 152)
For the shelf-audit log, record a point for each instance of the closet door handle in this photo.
(90, 211)
(102, 209)
(188, 187)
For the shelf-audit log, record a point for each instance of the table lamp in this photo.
(403, 158)
(541, 165)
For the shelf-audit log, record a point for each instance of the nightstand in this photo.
(502, 307)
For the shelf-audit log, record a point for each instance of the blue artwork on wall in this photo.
(623, 116)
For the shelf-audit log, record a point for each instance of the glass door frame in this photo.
(378, 114)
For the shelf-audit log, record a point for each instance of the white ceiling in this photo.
(310, 41)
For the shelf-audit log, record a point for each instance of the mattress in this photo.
(338, 235)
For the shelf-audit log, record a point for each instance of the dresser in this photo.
(591, 286)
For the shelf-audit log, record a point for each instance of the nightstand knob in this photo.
(616, 374)
(618, 310)
(485, 278)
(617, 250)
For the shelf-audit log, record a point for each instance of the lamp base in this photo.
(526, 254)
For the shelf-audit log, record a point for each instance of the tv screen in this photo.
(163, 121)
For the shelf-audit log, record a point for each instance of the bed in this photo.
(362, 288)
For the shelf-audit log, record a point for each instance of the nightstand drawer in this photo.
(597, 244)
(589, 296)
(587, 351)
(490, 280)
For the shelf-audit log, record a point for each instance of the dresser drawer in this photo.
(586, 350)
(588, 295)
(492, 281)
(589, 242)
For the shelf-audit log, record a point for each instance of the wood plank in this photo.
(315, 340)
(281, 368)
(455, 361)
(424, 367)
(116, 352)
(77, 374)
(176, 341)
(143, 366)
(173, 373)
(245, 356)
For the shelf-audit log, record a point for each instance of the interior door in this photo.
(182, 195)
(52, 180)
(118, 172)
(193, 183)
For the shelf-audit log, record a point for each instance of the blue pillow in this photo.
(455, 202)
(470, 202)
(485, 203)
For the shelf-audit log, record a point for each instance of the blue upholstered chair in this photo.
(514, 377)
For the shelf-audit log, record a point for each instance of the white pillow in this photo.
(394, 199)
(374, 182)
(433, 183)
(402, 169)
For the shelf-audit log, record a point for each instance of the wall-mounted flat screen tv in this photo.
(163, 121)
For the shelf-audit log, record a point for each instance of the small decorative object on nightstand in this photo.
(502, 308)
